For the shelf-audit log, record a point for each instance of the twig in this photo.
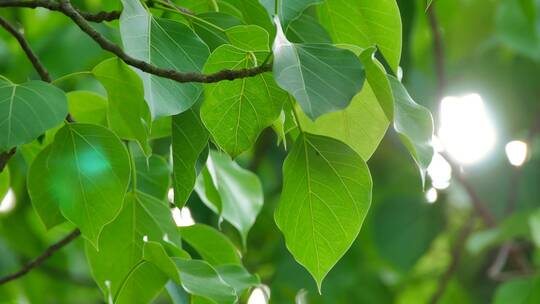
(38, 66)
(55, 6)
(5, 157)
(67, 9)
(40, 259)
(457, 251)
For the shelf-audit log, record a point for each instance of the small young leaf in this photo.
(326, 196)
(27, 110)
(85, 172)
(321, 77)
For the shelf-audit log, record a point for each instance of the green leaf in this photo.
(518, 291)
(27, 110)
(85, 172)
(377, 79)
(143, 284)
(211, 27)
(254, 13)
(306, 29)
(361, 125)
(235, 112)
(325, 198)
(321, 77)
(189, 138)
(414, 124)
(249, 38)
(237, 277)
(155, 253)
(207, 191)
(288, 10)
(127, 113)
(4, 182)
(153, 176)
(365, 23)
(167, 44)
(213, 246)
(200, 279)
(240, 192)
(121, 243)
(87, 107)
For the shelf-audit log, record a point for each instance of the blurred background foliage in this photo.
(491, 47)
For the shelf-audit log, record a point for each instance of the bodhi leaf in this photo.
(27, 110)
(306, 29)
(237, 277)
(85, 173)
(365, 23)
(213, 246)
(414, 124)
(87, 107)
(200, 279)
(235, 112)
(127, 112)
(153, 176)
(288, 10)
(325, 198)
(143, 284)
(248, 38)
(361, 125)
(121, 243)
(189, 138)
(212, 26)
(167, 44)
(321, 77)
(253, 12)
(240, 192)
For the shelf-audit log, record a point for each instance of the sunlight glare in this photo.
(8, 202)
(516, 151)
(431, 195)
(259, 295)
(440, 172)
(182, 217)
(466, 130)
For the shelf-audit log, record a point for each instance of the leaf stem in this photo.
(173, 9)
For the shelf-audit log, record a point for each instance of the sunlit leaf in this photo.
(85, 173)
(235, 112)
(365, 23)
(87, 107)
(325, 198)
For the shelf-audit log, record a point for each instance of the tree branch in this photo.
(44, 256)
(67, 9)
(38, 66)
(55, 6)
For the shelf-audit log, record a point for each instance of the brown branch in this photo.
(44, 256)
(67, 9)
(457, 251)
(55, 6)
(38, 66)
